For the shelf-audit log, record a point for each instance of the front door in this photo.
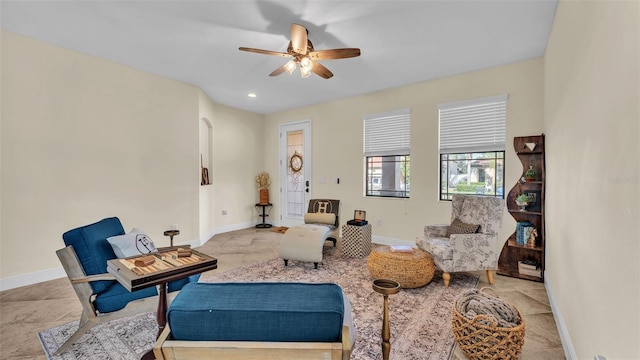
(295, 170)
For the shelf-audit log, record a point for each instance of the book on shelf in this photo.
(531, 268)
(536, 273)
(522, 265)
(401, 248)
(523, 231)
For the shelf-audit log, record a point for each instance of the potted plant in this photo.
(530, 174)
(262, 182)
(522, 200)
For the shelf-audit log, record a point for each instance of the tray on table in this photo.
(167, 266)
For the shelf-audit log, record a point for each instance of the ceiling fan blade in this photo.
(321, 70)
(299, 39)
(334, 54)
(277, 71)
(265, 52)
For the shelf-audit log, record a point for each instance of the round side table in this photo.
(171, 234)
(264, 215)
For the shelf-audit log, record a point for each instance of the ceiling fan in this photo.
(301, 52)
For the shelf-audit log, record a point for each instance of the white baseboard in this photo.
(225, 229)
(391, 241)
(193, 243)
(242, 226)
(567, 345)
(207, 237)
(31, 278)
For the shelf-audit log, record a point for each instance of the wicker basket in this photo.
(479, 341)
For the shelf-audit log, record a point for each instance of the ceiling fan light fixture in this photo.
(290, 66)
(306, 63)
(300, 51)
(305, 67)
(305, 72)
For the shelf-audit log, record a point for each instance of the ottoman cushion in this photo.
(257, 312)
(304, 242)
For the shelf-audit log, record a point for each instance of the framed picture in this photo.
(360, 215)
(535, 200)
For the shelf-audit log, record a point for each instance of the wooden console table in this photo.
(167, 267)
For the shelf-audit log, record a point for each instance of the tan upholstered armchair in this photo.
(470, 242)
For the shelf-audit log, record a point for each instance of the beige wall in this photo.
(238, 140)
(337, 143)
(592, 124)
(207, 200)
(84, 138)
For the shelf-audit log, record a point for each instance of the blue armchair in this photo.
(84, 259)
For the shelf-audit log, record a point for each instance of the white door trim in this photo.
(305, 126)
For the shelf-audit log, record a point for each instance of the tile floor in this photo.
(25, 311)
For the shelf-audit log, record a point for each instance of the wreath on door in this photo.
(295, 163)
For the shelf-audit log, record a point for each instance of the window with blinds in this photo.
(387, 153)
(472, 145)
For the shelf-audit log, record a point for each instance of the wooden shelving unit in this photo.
(512, 252)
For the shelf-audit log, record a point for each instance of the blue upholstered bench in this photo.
(241, 320)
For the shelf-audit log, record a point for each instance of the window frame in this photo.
(472, 128)
(387, 135)
(405, 177)
(498, 191)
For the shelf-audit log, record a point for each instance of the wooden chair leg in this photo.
(490, 276)
(446, 277)
(82, 329)
(87, 321)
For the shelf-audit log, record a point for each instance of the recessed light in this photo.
(251, 95)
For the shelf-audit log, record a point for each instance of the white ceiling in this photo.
(402, 42)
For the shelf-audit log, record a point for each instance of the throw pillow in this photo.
(458, 227)
(136, 242)
(320, 218)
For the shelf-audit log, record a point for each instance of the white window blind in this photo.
(473, 125)
(387, 133)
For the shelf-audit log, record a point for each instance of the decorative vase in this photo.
(264, 196)
(522, 204)
(530, 174)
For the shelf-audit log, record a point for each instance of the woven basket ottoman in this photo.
(411, 269)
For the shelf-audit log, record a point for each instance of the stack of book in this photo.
(529, 267)
(523, 230)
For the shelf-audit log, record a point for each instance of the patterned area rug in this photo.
(121, 339)
(420, 318)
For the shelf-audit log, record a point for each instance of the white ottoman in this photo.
(303, 243)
